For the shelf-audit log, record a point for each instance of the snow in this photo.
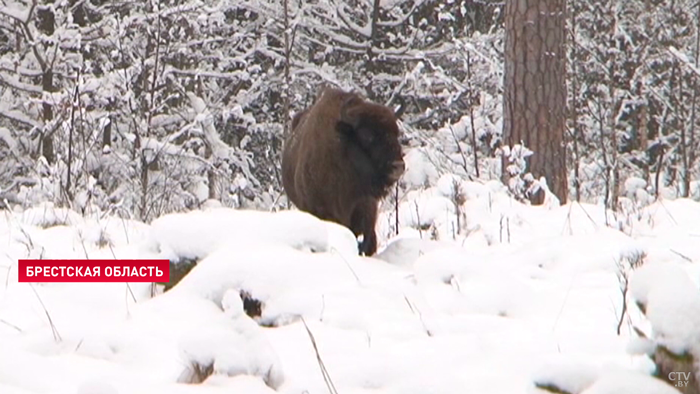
(6, 137)
(419, 170)
(520, 297)
(567, 374)
(672, 303)
(203, 232)
(244, 352)
(632, 184)
(46, 215)
(621, 382)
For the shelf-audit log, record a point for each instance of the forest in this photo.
(140, 109)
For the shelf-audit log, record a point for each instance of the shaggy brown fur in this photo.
(341, 158)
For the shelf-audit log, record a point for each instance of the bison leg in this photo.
(364, 218)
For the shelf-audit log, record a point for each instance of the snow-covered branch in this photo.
(18, 116)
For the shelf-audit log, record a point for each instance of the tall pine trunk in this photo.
(535, 87)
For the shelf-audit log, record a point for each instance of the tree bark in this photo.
(688, 174)
(46, 25)
(374, 30)
(534, 96)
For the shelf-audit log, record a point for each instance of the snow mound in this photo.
(236, 349)
(46, 215)
(621, 382)
(577, 377)
(405, 251)
(196, 234)
(96, 387)
(566, 375)
(672, 304)
(299, 284)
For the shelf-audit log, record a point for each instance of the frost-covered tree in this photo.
(633, 95)
(47, 46)
(119, 124)
(143, 108)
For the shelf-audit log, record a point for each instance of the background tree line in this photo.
(144, 108)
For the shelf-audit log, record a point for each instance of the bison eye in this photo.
(365, 135)
(344, 128)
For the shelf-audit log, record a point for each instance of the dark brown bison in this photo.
(341, 157)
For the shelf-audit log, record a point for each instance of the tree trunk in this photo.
(211, 172)
(46, 24)
(373, 34)
(693, 111)
(535, 87)
(574, 110)
(287, 66)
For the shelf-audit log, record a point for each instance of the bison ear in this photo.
(349, 109)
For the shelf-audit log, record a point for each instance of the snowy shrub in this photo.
(521, 183)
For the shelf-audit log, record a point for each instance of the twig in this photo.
(500, 222)
(508, 227)
(420, 230)
(410, 306)
(471, 116)
(396, 208)
(624, 285)
(455, 282)
(82, 243)
(133, 297)
(71, 130)
(109, 244)
(29, 239)
(416, 311)
(460, 151)
(321, 364)
(335, 251)
(563, 304)
(568, 221)
(323, 306)
(7, 276)
(273, 206)
(681, 255)
(126, 232)
(54, 331)
(589, 216)
(5, 322)
(668, 212)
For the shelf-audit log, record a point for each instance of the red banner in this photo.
(94, 270)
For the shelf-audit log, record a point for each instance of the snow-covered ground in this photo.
(519, 295)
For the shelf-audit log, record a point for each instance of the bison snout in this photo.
(397, 169)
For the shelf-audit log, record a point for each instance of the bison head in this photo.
(372, 141)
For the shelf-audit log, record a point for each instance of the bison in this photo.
(341, 157)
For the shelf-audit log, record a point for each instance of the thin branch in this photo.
(54, 330)
(321, 364)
